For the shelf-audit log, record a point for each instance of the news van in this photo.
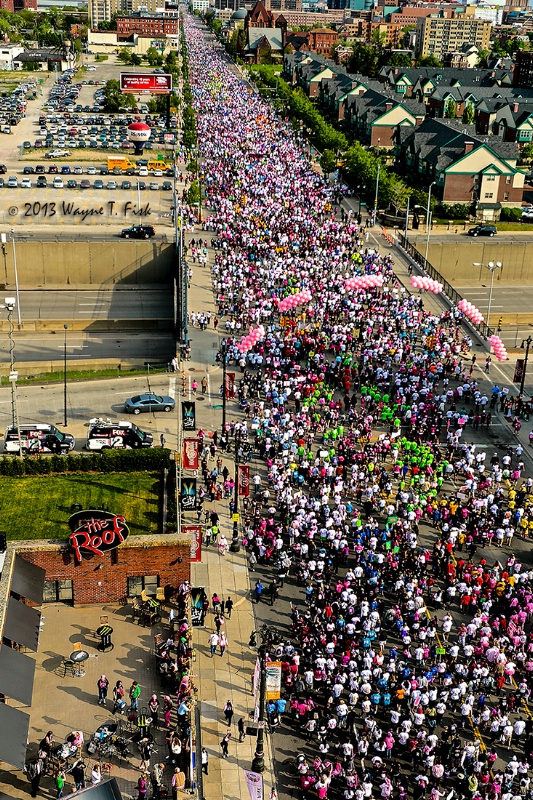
(104, 435)
(39, 438)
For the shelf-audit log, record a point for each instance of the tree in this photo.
(153, 56)
(114, 100)
(124, 56)
(428, 61)
(194, 194)
(328, 161)
(135, 60)
(527, 152)
(360, 165)
(393, 191)
(482, 59)
(450, 112)
(469, 115)
(396, 60)
(364, 60)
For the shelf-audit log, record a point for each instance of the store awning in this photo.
(17, 672)
(14, 727)
(107, 790)
(28, 580)
(21, 625)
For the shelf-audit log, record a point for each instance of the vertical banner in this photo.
(273, 680)
(230, 385)
(196, 540)
(197, 606)
(188, 494)
(518, 370)
(190, 453)
(188, 415)
(254, 782)
(257, 680)
(244, 480)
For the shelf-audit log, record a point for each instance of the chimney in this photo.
(396, 71)
(469, 146)
(388, 105)
(515, 107)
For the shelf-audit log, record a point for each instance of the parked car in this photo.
(58, 183)
(85, 184)
(25, 183)
(138, 232)
(12, 182)
(148, 402)
(28, 171)
(483, 230)
(42, 183)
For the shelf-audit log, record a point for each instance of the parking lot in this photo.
(79, 185)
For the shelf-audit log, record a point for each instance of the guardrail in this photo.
(451, 293)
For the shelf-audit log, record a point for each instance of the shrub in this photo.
(511, 214)
(455, 211)
(149, 460)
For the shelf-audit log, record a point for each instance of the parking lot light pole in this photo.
(492, 267)
(65, 328)
(12, 234)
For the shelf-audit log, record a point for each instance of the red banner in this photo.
(518, 370)
(137, 82)
(196, 540)
(230, 385)
(190, 453)
(244, 481)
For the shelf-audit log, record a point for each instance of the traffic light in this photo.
(500, 323)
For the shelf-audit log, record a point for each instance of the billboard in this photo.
(138, 82)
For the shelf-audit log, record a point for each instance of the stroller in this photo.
(106, 742)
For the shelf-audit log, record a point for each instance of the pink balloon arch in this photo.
(293, 300)
(499, 348)
(470, 311)
(421, 282)
(363, 282)
(254, 336)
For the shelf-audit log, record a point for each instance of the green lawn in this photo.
(39, 507)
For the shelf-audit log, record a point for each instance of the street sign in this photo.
(135, 82)
(235, 517)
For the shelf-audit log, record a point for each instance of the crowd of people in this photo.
(409, 663)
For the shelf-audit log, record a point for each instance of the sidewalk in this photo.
(228, 677)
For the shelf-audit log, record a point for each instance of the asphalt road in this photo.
(84, 345)
(503, 237)
(101, 304)
(102, 398)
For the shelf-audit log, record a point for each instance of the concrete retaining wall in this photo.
(88, 263)
(454, 261)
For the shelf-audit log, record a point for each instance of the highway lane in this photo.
(49, 347)
(503, 237)
(103, 304)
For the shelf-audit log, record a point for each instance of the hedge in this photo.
(148, 460)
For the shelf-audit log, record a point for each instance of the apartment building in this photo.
(103, 10)
(436, 35)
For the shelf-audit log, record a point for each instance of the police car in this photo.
(104, 434)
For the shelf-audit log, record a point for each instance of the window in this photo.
(508, 179)
(58, 592)
(489, 195)
(147, 582)
(490, 177)
(505, 196)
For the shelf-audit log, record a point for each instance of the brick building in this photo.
(148, 24)
(141, 562)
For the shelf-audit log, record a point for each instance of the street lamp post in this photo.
(10, 304)
(258, 764)
(377, 192)
(223, 352)
(13, 375)
(527, 342)
(235, 546)
(65, 329)
(429, 216)
(492, 267)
